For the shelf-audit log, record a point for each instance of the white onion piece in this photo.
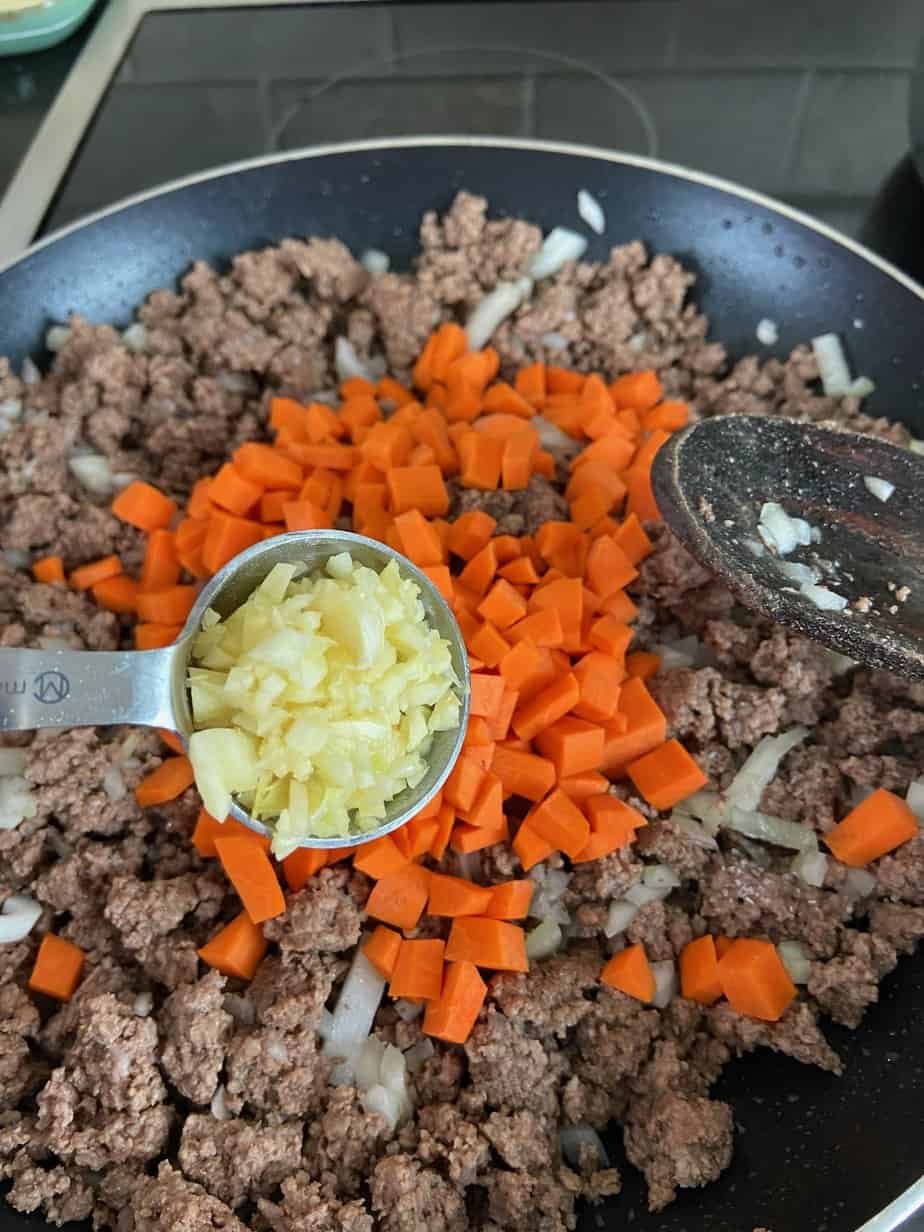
(494, 309)
(136, 337)
(823, 598)
(697, 833)
(619, 917)
(591, 211)
(142, 1005)
(10, 411)
(665, 977)
(811, 867)
(543, 940)
(781, 532)
(915, 445)
(755, 548)
(12, 761)
(219, 1105)
(93, 472)
(859, 883)
(862, 387)
(795, 960)
(277, 1050)
(640, 895)
(341, 1074)
(384, 1101)
(660, 877)
(114, 784)
(16, 801)
(367, 1063)
(638, 342)
(554, 341)
(347, 362)
(393, 1068)
(760, 767)
(18, 917)
(418, 1055)
(914, 797)
(682, 652)
(30, 374)
(406, 1010)
(550, 435)
(767, 332)
(374, 261)
(767, 829)
(707, 807)
(801, 574)
(558, 248)
(832, 365)
(56, 337)
(356, 1007)
(572, 1138)
(880, 488)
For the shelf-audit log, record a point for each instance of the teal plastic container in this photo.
(41, 25)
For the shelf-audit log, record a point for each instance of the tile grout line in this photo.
(529, 105)
(803, 94)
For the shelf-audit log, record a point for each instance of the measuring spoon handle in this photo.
(91, 688)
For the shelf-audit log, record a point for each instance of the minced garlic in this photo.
(315, 702)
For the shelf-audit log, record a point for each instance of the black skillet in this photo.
(812, 1152)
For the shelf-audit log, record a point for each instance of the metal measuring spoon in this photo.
(711, 479)
(147, 688)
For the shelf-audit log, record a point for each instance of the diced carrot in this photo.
(167, 607)
(551, 703)
(645, 729)
(572, 745)
(566, 595)
(630, 423)
(502, 606)
(226, 537)
(208, 828)
(454, 896)
(480, 570)
(615, 450)
(485, 694)
(666, 775)
(441, 578)
(599, 678)
(171, 740)
(517, 461)
(418, 970)
(510, 900)
(530, 846)
(380, 858)
(357, 386)
(604, 808)
(580, 787)
(755, 981)
(237, 950)
(877, 825)
(390, 390)
(153, 637)
(356, 417)
(630, 972)
(249, 870)
(595, 474)
(387, 445)
(594, 503)
(161, 567)
(445, 820)
(57, 968)
(470, 533)
(301, 865)
(699, 971)
(117, 594)
(417, 487)
(85, 576)
(520, 572)
(723, 945)
(322, 488)
(641, 501)
(199, 506)
(527, 668)
(466, 838)
(453, 1015)
(541, 628)
(643, 663)
(504, 399)
(499, 722)
(477, 369)
(488, 645)
(487, 943)
(169, 780)
(50, 570)
(331, 457)
(670, 416)
(563, 380)
(305, 515)
(560, 822)
(611, 637)
(287, 413)
(144, 506)
(419, 541)
(266, 467)
(487, 812)
(620, 607)
(382, 949)
(647, 450)
(368, 499)
(480, 460)
(399, 898)
(608, 567)
(523, 774)
(233, 492)
(637, 391)
(530, 384)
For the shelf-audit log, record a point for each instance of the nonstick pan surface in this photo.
(812, 1152)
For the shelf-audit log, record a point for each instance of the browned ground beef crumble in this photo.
(105, 1102)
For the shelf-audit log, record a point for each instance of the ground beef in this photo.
(106, 1098)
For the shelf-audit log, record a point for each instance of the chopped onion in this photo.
(697, 833)
(393, 1068)
(494, 309)
(832, 365)
(135, 337)
(767, 332)
(802, 574)
(12, 761)
(18, 917)
(572, 1138)
(682, 652)
(781, 532)
(811, 867)
(707, 807)
(16, 802)
(347, 362)
(546, 903)
(219, 1105)
(620, 916)
(795, 960)
(823, 598)
(356, 1007)
(341, 1075)
(915, 445)
(276, 1048)
(554, 341)
(237, 382)
(56, 337)
(862, 387)
(93, 471)
(880, 488)
(543, 940)
(665, 977)
(384, 1101)
(638, 342)
(367, 1063)
(418, 1055)
(374, 261)
(769, 829)
(406, 1010)
(142, 1005)
(755, 548)
(660, 877)
(859, 883)
(591, 211)
(914, 797)
(30, 374)
(760, 766)
(114, 784)
(10, 411)
(550, 435)
(640, 895)
(559, 247)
